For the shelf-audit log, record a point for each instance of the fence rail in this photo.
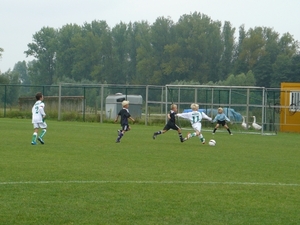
(89, 102)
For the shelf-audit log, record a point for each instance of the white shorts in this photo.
(42, 125)
(197, 126)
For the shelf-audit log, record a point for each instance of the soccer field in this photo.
(81, 176)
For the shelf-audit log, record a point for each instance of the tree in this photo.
(44, 49)
(196, 52)
(253, 47)
(65, 55)
(283, 66)
(162, 34)
(195, 48)
(120, 54)
(250, 79)
(1, 50)
(240, 65)
(239, 80)
(92, 53)
(282, 70)
(21, 69)
(226, 62)
(263, 69)
(295, 75)
(4, 79)
(12, 91)
(145, 54)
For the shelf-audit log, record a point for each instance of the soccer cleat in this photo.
(33, 143)
(41, 140)
(118, 139)
(231, 134)
(184, 139)
(154, 136)
(213, 133)
(202, 140)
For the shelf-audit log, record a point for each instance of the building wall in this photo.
(290, 107)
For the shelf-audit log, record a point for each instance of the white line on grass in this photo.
(145, 182)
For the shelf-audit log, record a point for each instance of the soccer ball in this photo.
(212, 142)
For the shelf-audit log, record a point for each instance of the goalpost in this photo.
(238, 102)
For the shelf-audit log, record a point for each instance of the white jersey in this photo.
(38, 112)
(194, 116)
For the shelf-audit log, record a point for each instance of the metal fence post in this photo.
(5, 94)
(101, 104)
(83, 116)
(146, 106)
(59, 101)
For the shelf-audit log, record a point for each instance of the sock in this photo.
(180, 136)
(120, 136)
(229, 131)
(158, 132)
(214, 130)
(201, 138)
(193, 134)
(34, 137)
(43, 133)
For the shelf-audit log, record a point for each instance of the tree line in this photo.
(194, 49)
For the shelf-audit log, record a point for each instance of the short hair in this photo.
(194, 106)
(38, 95)
(125, 103)
(173, 106)
(220, 110)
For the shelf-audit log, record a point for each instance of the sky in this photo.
(21, 19)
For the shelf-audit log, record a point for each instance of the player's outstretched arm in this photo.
(206, 116)
(131, 119)
(227, 119)
(183, 115)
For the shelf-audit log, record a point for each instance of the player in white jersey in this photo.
(195, 118)
(38, 116)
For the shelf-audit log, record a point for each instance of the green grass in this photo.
(81, 176)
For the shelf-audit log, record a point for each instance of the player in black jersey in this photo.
(171, 124)
(125, 115)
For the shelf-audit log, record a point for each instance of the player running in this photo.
(125, 115)
(195, 118)
(38, 117)
(171, 124)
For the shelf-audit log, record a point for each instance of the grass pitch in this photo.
(81, 176)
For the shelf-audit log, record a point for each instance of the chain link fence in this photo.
(84, 102)
(149, 104)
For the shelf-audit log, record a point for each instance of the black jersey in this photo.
(171, 122)
(124, 114)
(172, 117)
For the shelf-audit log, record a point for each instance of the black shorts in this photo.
(223, 122)
(125, 127)
(172, 126)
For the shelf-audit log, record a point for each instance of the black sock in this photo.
(214, 130)
(229, 131)
(157, 133)
(180, 136)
